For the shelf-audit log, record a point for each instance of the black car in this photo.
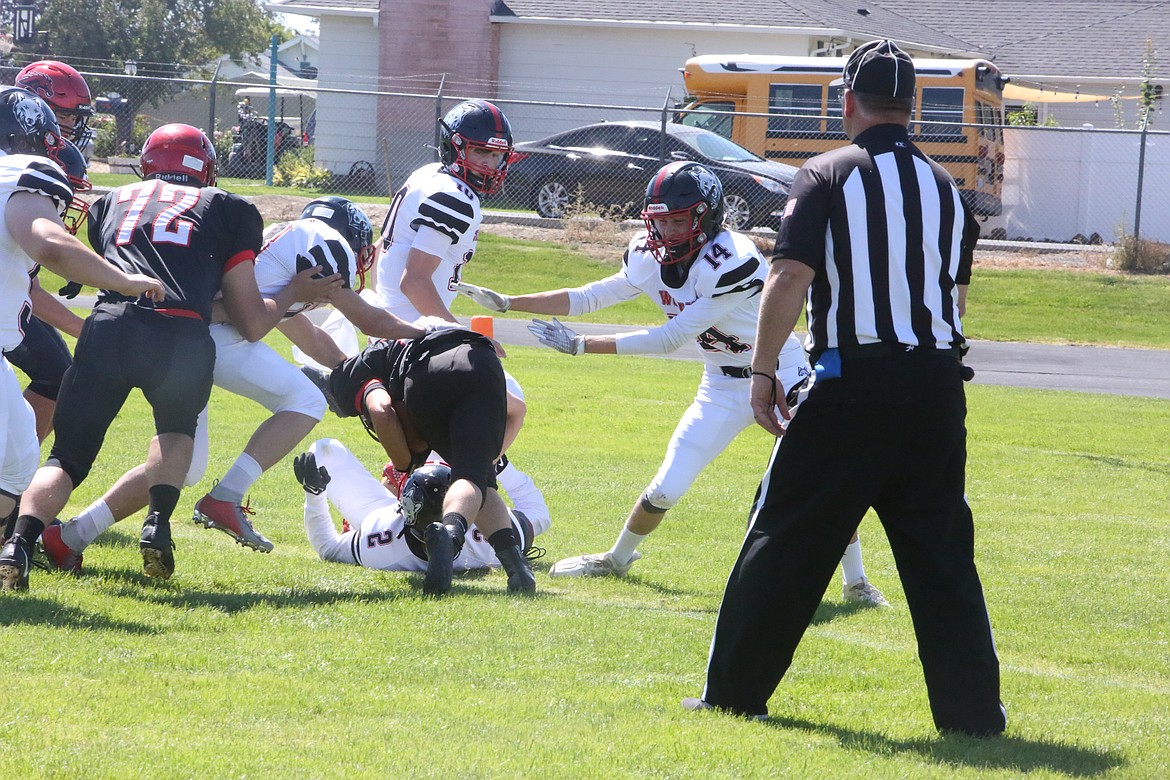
(610, 164)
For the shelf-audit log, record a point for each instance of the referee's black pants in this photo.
(889, 434)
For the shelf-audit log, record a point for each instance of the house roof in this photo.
(1097, 41)
(1034, 39)
(850, 18)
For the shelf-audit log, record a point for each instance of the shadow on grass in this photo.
(24, 610)
(829, 611)
(1001, 753)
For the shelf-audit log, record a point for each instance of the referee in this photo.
(876, 236)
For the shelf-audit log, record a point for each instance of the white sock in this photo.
(627, 542)
(80, 532)
(852, 569)
(238, 480)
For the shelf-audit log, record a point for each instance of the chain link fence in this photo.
(1032, 184)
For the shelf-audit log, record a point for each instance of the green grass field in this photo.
(249, 665)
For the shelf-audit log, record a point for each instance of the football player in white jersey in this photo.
(385, 531)
(34, 193)
(432, 226)
(335, 235)
(707, 281)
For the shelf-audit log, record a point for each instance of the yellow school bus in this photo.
(786, 109)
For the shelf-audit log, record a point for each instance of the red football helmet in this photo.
(179, 153)
(65, 91)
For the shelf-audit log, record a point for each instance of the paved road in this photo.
(1140, 372)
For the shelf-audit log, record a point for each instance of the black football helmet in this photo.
(27, 124)
(72, 161)
(421, 498)
(346, 218)
(475, 124)
(679, 188)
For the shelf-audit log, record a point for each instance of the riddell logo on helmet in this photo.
(501, 143)
(656, 208)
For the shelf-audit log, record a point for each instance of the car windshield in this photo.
(716, 147)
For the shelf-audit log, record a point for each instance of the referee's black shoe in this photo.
(440, 559)
(156, 546)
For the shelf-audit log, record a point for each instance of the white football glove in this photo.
(554, 334)
(431, 324)
(489, 299)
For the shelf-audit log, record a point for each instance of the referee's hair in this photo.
(873, 105)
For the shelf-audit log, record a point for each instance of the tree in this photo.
(159, 34)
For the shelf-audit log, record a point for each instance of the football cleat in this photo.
(520, 577)
(232, 520)
(321, 380)
(862, 592)
(440, 559)
(61, 557)
(693, 704)
(592, 565)
(14, 565)
(156, 546)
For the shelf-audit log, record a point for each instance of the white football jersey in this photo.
(435, 201)
(716, 301)
(294, 246)
(22, 173)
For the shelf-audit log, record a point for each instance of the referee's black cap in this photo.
(880, 68)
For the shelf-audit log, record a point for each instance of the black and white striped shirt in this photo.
(890, 240)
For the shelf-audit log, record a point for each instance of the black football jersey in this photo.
(186, 237)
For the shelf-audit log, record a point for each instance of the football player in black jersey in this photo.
(34, 192)
(176, 227)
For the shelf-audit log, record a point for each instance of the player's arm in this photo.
(379, 407)
(48, 309)
(253, 315)
(34, 224)
(312, 340)
(419, 287)
(371, 320)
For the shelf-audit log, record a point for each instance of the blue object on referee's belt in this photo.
(828, 366)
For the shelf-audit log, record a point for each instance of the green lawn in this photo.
(250, 665)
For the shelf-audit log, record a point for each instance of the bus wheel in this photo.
(552, 198)
(739, 211)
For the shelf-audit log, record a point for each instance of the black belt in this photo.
(737, 372)
(891, 349)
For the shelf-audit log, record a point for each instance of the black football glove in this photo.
(313, 478)
(71, 290)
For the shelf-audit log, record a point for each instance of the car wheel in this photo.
(739, 212)
(552, 198)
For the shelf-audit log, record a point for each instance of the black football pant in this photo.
(889, 434)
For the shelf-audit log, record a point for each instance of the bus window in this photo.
(702, 117)
(941, 104)
(834, 110)
(801, 99)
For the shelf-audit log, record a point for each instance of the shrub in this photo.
(1141, 255)
(106, 130)
(296, 169)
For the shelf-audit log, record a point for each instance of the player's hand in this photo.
(767, 396)
(311, 286)
(554, 334)
(313, 478)
(70, 291)
(142, 285)
(489, 299)
(431, 324)
(393, 479)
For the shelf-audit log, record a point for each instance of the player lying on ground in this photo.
(380, 531)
